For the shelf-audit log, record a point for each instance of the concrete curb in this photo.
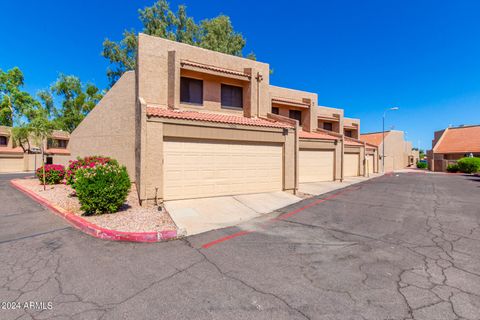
(96, 231)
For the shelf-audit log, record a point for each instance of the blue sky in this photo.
(363, 56)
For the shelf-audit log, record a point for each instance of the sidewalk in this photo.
(195, 216)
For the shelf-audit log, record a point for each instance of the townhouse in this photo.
(14, 158)
(398, 152)
(451, 144)
(191, 123)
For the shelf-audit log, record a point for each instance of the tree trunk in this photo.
(43, 170)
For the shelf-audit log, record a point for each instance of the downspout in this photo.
(342, 140)
(295, 188)
(259, 79)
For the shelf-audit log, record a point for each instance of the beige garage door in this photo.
(371, 163)
(11, 164)
(316, 165)
(195, 169)
(351, 165)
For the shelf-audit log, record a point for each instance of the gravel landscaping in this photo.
(131, 217)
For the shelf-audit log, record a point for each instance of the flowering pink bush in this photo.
(87, 162)
(54, 173)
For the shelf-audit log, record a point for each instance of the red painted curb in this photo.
(94, 230)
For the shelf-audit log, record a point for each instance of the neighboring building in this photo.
(14, 159)
(398, 152)
(190, 123)
(451, 144)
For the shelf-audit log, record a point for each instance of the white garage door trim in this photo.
(316, 165)
(351, 165)
(206, 168)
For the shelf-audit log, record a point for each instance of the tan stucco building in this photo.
(398, 152)
(190, 123)
(14, 159)
(451, 144)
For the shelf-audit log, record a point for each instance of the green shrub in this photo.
(102, 188)
(422, 165)
(469, 165)
(86, 162)
(452, 168)
(54, 173)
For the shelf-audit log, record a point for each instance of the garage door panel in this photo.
(201, 169)
(316, 165)
(371, 163)
(11, 164)
(351, 165)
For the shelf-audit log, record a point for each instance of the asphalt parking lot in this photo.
(403, 246)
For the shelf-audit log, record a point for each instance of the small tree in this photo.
(41, 128)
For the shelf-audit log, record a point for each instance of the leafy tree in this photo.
(20, 136)
(14, 103)
(77, 101)
(159, 20)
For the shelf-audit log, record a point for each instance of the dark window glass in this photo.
(49, 160)
(57, 143)
(296, 114)
(232, 96)
(62, 144)
(191, 90)
(275, 110)
(348, 133)
(3, 141)
(328, 126)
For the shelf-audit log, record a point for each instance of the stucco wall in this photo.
(109, 129)
(309, 116)
(395, 155)
(331, 112)
(159, 70)
(157, 129)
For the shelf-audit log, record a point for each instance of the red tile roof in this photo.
(11, 150)
(373, 138)
(352, 142)
(300, 104)
(316, 135)
(57, 151)
(459, 140)
(213, 68)
(214, 117)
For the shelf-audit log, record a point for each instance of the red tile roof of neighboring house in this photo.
(316, 135)
(57, 151)
(459, 140)
(373, 138)
(213, 68)
(11, 150)
(214, 117)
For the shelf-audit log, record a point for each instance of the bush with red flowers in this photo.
(54, 173)
(87, 162)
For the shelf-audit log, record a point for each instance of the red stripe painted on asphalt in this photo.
(238, 234)
(281, 217)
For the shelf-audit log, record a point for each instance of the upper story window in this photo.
(328, 126)
(3, 141)
(295, 114)
(57, 143)
(232, 96)
(349, 133)
(275, 110)
(191, 90)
